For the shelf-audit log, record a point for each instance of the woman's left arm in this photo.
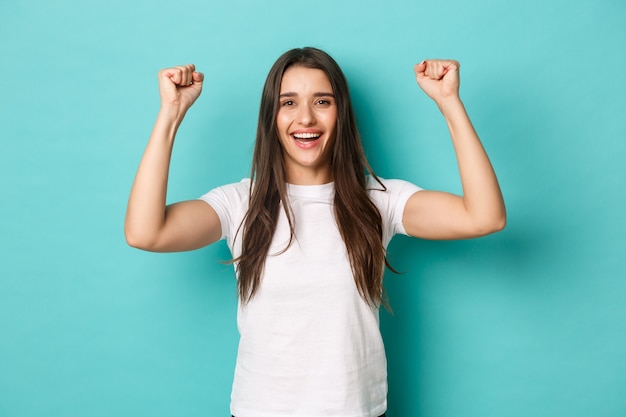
(440, 215)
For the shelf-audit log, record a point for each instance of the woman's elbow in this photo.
(137, 240)
(487, 225)
(499, 224)
(493, 225)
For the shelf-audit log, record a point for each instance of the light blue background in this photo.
(528, 322)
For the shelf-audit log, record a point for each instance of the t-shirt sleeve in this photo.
(230, 203)
(391, 203)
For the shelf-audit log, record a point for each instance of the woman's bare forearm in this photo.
(145, 215)
(481, 192)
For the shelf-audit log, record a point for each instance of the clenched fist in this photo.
(438, 78)
(179, 87)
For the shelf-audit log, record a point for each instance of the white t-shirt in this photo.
(309, 344)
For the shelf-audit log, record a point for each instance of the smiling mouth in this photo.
(306, 137)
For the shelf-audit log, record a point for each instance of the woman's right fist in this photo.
(180, 86)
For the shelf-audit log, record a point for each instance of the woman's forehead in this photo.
(299, 79)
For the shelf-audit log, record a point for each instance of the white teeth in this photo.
(306, 135)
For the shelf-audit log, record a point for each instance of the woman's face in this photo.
(306, 122)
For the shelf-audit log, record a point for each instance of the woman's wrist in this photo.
(450, 103)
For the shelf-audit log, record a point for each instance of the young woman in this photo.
(308, 231)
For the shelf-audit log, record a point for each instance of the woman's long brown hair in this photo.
(358, 219)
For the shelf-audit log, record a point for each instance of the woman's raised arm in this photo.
(480, 210)
(150, 224)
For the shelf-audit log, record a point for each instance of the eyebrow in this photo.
(320, 94)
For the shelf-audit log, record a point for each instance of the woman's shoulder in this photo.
(243, 185)
(390, 195)
(377, 186)
(232, 191)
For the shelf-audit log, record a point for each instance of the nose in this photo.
(306, 116)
